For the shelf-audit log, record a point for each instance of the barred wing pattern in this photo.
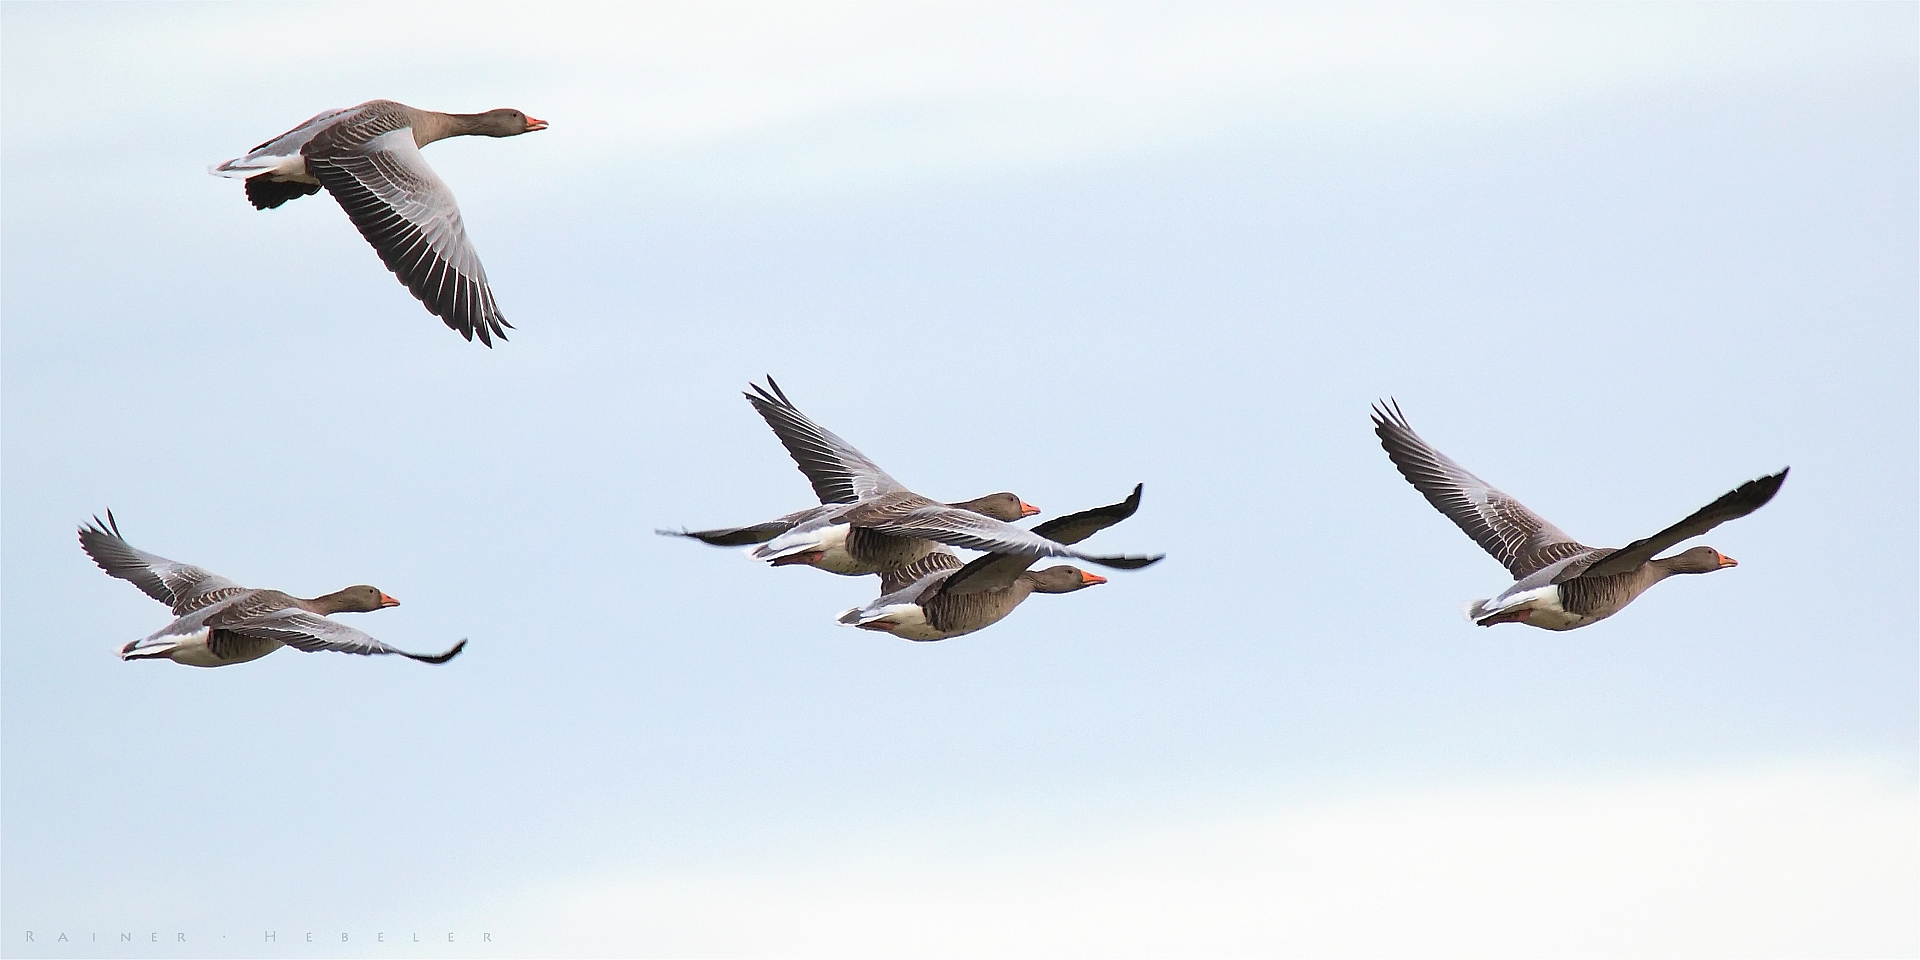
(183, 587)
(939, 562)
(1520, 539)
(838, 472)
(408, 214)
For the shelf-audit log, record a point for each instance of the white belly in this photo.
(834, 556)
(193, 651)
(1542, 606)
(908, 621)
(189, 647)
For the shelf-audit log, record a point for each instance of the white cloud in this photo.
(803, 96)
(1807, 860)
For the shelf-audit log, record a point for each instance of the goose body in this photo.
(218, 622)
(368, 157)
(924, 612)
(938, 597)
(1560, 583)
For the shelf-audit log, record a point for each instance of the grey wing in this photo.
(733, 536)
(997, 570)
(183, 587)
(838, 472)
(1520, 539)
(747, 536)
(1075, 527)
(964, 528)
(409, 216)
(304, 630)
(1734, 504)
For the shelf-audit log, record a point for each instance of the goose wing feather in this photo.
(1732, 505)
(749, 535)
(181, 586)
(1523, 541)
(733, 536)
(838, 472)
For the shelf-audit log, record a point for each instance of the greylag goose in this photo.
(839, 475)
(369, 158)
(937, 597)
(867, 522)
(1561, 584)
(218, 622)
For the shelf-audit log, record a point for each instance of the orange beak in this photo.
(386, 601)
(1726, 561)
(533, 124)
(1091, 578)
(1027, 509)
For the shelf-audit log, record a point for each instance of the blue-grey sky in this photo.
(1616, 259)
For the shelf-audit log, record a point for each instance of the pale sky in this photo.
(1615, 259)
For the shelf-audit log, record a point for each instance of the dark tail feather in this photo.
(440, 658)
(267, 193)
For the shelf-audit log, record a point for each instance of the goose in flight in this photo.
(1561, 583)
(938, 597)
(369, 158)
(867, 522)
(218, 622)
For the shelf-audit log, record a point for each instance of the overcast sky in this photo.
(1616, 259)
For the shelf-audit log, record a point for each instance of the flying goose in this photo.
(369, 158)
(218, 622)
(937, 597)
(1562, 584)
(840, 475)
(868, 522)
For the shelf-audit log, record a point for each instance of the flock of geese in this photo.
(867, 523)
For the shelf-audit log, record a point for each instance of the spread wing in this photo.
(838, 472)
(997, 570)
(733, 536)
(1736, 503)
(371, 165)
(747, 536)
(183, 587)
(304, 630)
(1520, 539)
